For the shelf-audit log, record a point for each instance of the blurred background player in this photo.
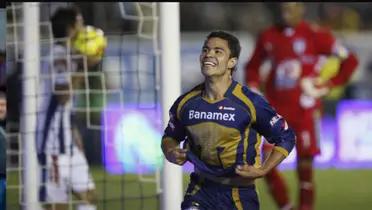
(222, 121)
(61, 155)
(294, 88)
(64, 168)
(2, 149)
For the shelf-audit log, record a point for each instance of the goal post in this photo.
(171, 196)
(30, 41)
(31, 68)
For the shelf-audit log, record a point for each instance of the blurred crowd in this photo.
(205, 16)
(253, 17)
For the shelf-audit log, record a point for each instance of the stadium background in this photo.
(342, 175)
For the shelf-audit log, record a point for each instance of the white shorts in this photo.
(63, 174)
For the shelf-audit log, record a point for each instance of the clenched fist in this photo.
(176, 155)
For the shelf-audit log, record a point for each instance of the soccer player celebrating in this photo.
(222, 123)
(294, 88)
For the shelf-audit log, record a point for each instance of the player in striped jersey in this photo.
(64, 168)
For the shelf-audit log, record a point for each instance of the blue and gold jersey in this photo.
(222, 134)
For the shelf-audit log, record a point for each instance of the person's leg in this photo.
(307, 148)
(88, 198)
(278, 189)
(200, 194)
(82, 182)
(53, 185)
(276, 184)
(306, 183)
(244, 198)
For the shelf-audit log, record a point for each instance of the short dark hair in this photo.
(62, 19)
(232, 41)
(2, 94)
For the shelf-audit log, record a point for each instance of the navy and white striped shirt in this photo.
(55, 129)
(54, 135)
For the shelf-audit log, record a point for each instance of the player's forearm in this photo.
(274, 159)
(348, 66)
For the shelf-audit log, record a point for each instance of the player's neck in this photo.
(216, 87)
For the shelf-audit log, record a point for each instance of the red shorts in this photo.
(307, 133)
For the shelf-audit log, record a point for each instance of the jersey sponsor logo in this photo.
(275, 119)
(193, 114)
(226, 108)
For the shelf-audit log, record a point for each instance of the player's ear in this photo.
(232, 62)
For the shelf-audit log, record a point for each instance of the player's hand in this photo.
(249, 171)
(176, 155)
(313, 87)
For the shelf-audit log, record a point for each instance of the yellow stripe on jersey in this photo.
(245, 144)
(238, 92)
(257, 162)
(281, 150)
(185, 99)
(236, 198)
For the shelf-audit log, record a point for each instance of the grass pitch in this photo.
(335, 189)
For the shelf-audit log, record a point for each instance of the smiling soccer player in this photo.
(223, 122)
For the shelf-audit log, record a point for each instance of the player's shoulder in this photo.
(188, 95)
(317, 28)
(269, 31)
(247, 96)
(255, 97)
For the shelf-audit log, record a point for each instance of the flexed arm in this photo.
(276, 131)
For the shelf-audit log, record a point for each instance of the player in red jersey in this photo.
(294, 88)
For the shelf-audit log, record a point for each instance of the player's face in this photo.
(215, 58)
(2, 108)
(291, 13)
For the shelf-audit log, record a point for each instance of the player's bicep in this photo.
(327, 44)
(267, 121)
(273, 126)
